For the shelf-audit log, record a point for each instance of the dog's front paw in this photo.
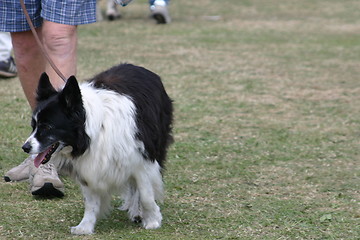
(81, 230)
(152, 220)
(153, 224)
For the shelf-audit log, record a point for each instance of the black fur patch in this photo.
(154, 109)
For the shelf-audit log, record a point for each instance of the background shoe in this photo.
(8, 68)
(45, 181)
(19, 173)
(159, 12)
(112, 12)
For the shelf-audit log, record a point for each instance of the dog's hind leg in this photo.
(132, 201)
(92, 211)
(147, 180)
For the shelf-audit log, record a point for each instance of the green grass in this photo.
(267, 122)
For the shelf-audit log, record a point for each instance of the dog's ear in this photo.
(45, 89)
(70, 96)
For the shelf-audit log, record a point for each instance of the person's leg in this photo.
(29, 61)
(60, 42)
(31, 64)
(44, 180)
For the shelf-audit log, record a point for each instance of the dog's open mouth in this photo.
(45, 156)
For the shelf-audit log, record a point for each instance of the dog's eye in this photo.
(45, 127)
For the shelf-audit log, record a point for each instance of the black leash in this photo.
(39, 42)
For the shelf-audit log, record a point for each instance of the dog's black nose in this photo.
(26, 147)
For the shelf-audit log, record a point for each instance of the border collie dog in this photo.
(111, 135)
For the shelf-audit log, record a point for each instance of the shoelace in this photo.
(47, 168)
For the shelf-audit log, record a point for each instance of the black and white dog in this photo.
(111, 134)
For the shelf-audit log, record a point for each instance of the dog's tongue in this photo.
(40, 157)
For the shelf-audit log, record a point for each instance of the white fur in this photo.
(35, 145)
(113, 163)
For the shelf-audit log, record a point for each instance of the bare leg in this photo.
(29, 61)
(60, 42)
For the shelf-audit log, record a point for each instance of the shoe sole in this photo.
(160, 19)
(8, 179)
(112, 17)
(7, 74)
(48, 190)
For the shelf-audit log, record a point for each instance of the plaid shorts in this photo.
(70, 12)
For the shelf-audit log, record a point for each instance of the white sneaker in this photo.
(21, 172)
(112, 12)
(159, 12)
(44, 181)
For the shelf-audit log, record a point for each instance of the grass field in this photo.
(267, 122)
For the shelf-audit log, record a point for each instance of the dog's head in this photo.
(58, 121)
